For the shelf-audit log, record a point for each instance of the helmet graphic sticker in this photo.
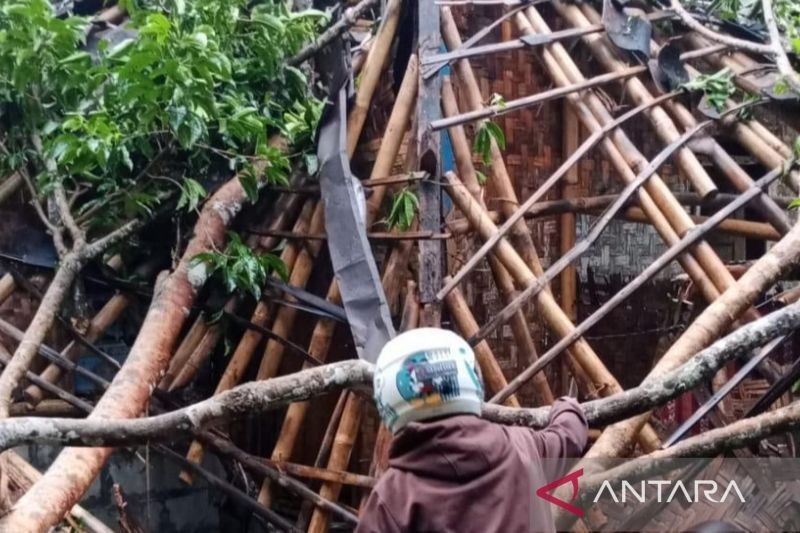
(422, 382)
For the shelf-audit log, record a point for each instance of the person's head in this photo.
(426, 373)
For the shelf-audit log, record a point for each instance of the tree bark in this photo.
(261, 396)
(40, 325)
(74, 470)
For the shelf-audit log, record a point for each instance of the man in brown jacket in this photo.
(450, 470)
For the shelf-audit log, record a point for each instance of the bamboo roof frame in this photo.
(519, 276)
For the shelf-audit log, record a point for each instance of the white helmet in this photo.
(426, 373)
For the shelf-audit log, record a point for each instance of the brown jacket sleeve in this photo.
(376, 517)
(566, 432)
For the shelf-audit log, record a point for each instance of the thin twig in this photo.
(348, 18)
(781, 59)
(733, 42)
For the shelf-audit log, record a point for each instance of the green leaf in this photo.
(192, 192)
(482, 178)
(249, 181)
(497, 134)
(405, 204)
(794, 203)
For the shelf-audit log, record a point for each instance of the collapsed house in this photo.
(558, 197)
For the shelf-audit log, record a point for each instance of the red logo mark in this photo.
(544, 492)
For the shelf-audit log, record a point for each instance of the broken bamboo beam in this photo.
(776, 150)
(647, 274)
(505, 284)
(552, 314)
(714, 320)
(605, 53)
(500, 184)
(663, 125)
(668, 217)
(541, 191)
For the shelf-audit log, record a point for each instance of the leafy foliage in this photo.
(204, 82)
(240, 268)
(482, 178)
(717, 87)
(405, 205)
(482, 145)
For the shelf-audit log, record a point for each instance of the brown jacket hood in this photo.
(463, 474)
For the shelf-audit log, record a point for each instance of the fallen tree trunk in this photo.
(70, 475)
(261, 396)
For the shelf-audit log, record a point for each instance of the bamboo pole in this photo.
(734, 226)
(712, 322)
(567, 222)
(341, 451)
(251, 338)
(661, 122)
(323, 453)
(621, 295)
(604, 52)
(190, 341)
(338, 476)
(383, 440)
(371, 72)
(534, 99)
(503, 280)
(546, 304)
(568, 282)
(7, 286)
(397, 125)
(492, 373)
(202, 351)
(668, 217)
(500, 184)
(762, 143)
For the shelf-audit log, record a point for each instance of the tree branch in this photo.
(64, 212)
(103, 243)
(781, 59)
(261, 396)
(348, 18)
(742, 44)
